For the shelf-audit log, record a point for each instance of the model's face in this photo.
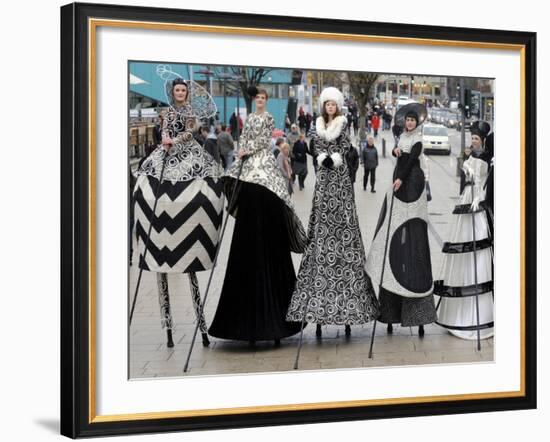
(410, 123)
(476, 142)
(180, 93)
(330, 108)
(260, 100)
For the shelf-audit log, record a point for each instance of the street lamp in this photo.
(224, 76)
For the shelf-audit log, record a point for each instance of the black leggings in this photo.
(366, 178)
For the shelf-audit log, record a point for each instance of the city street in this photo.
(149, 356)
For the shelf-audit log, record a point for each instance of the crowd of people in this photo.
(262, 297)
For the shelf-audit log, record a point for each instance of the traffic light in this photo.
(467, 102)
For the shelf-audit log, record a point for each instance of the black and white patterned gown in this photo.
(459, 308)
(187, 219)
(332, 286)
(260, 276)
(189, 211)
(399, 258)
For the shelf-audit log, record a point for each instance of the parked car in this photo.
(435, 139)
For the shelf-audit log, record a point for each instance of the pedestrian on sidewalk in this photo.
(375, 122)
(277, 146)
(369, 160)
(211, 146)
(225, 145)
(291, 138)
(299, 165)
(399, 258)
(332, 286)
(283, 161)
(352, 158)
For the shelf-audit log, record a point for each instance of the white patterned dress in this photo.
(332, 285)
(462, 276)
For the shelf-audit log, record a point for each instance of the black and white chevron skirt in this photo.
(188, 216)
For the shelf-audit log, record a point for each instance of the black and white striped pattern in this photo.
(186, 224)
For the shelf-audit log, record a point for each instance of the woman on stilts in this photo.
(466, 287)
(400, 251)
(332, 286)
(188, 198)
(260, 276)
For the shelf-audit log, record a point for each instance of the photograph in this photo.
(277, 215)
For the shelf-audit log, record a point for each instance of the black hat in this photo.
(252, 91)
(413, 110)
(179, 80)
(480, 128)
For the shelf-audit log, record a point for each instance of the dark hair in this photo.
(279, 141)
(413, 115)
(224, 127)
(325, 114)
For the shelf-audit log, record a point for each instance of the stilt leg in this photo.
(300, 342)
(475, 273)
(348, 330)
(318, 331)
(372, 338)
(165, 310)
(196, 297)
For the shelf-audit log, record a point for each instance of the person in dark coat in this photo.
(302, 120)
(369, 160)
(299, 165)
(352, 159)
(157, 133)
(234, 125)
(225, 146)
(309, 119)
(211, 146)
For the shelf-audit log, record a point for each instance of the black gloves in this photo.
(327, 162)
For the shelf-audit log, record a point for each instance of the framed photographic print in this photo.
(274, 220)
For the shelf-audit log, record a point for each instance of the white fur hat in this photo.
(333, 94)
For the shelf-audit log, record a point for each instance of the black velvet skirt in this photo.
(260, 276)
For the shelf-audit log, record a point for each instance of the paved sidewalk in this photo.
(149, 356)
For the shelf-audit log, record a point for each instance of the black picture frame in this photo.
(77, 418)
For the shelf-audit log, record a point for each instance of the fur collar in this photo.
(333, 130)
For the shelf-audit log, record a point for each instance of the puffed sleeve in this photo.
(480, 169)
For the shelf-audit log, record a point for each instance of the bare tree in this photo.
(248, 77)
(361, 84)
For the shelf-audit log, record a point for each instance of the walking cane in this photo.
(475, 271)
(233, 196)
(383, 268)
(157, 195)
(301, 336)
